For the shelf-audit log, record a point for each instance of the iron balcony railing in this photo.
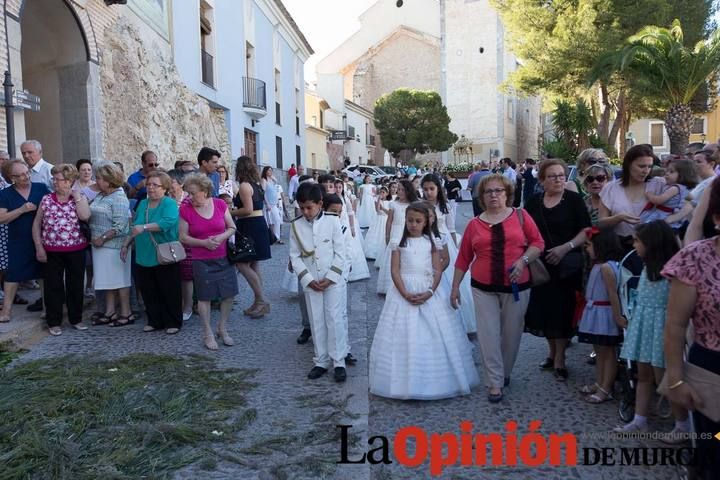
(254, 93)
(207, 68)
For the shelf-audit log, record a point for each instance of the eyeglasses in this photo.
(493, 191)
(57, 180)
(152, 164)
(555, 177)
(596, 178)
(153, 185)
(20, 175)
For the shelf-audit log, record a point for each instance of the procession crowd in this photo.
(544, 255)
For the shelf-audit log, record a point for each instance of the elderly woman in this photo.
(4, 157)
(694, 275)
(205, 226)
(156, 222)
(249, 219)
(622, 201)
(562, 218)
(498, 246)
(109, 219)
(60, 245)
(595, 177)
(18, 204)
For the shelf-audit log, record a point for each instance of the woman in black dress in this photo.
(562, 219)
(250, 221)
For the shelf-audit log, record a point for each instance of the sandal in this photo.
(102, 319)
(251, 309)
(589, 389)
(210, 342)
(227, 339)
(123, 321)
(601, 396)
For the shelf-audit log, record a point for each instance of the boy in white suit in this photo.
(318, 256)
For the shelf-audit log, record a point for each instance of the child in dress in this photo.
(355, 245)
(420, 350)
(680, 178)
(434, 194)
(375, 238)
(602, 318)
(656, 244)
(393, 232)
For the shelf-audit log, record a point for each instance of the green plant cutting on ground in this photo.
(142, 416)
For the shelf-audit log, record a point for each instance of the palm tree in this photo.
(668, 73)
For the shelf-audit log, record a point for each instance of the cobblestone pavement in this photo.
(294, 434)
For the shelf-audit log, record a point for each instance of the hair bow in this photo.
(591, 232)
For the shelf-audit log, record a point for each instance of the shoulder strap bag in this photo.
(538, 273)
(573, 262)
(166, 253)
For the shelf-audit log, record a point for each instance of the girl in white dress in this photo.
(366, 212)
(348, 201)
(435, 195)
(375, 237)
(360, 270)
(393, 232)
(420, 350)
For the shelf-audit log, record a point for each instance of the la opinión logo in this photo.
(510, 448)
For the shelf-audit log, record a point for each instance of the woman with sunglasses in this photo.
(586, 159)
(595, 178)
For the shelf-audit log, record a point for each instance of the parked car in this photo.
(358, 172)
(389, 170)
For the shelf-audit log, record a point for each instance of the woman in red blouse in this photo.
(497, 247)
(60, 246)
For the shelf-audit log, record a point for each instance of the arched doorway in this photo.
(55, 67)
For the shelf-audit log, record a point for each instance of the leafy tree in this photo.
(668, 73)
(413, 120)
(574, 130)
(559, 42)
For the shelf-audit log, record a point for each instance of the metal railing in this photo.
(207, 68)
(254, 93)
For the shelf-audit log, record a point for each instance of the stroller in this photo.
(627, 280)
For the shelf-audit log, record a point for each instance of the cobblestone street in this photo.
(294, 433)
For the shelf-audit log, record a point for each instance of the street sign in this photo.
(27, 101)
(338, 135)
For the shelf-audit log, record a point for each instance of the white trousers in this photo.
(328, 324)
(274, 219)
(500, 324)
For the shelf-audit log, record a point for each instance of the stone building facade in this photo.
(106, 80)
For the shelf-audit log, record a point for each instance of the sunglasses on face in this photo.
(596, 178)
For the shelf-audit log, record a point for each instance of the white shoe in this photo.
(55, 331)
(186, 316)
(631, 427)
(80, 326)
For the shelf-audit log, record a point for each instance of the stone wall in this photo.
(147, 106)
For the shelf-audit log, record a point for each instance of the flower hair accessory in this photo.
(591, 232)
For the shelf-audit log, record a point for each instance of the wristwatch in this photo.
(144, 227)
(526, 259)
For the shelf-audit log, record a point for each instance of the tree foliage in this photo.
(667, 73)
(413, 120)
(559, 42)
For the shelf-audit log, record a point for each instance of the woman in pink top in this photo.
(205, 226)
(497, 247)
(60, 246)
(694, 274)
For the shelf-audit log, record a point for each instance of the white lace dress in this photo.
(375, 237)
(467, 307)
(366, 212)
(396, 231)
(420, 351)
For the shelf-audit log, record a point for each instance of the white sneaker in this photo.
(186, 316)
(631, 427)
(55, 331)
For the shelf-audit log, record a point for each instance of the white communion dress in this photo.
(366, 212)
(420, 351)
(396, 231)
(467, 306)
(375, 237)
(360, 270)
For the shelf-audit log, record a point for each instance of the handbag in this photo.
(572, 263)
(169, 252)
(539, 275)
(240, 248)
(705, 383)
